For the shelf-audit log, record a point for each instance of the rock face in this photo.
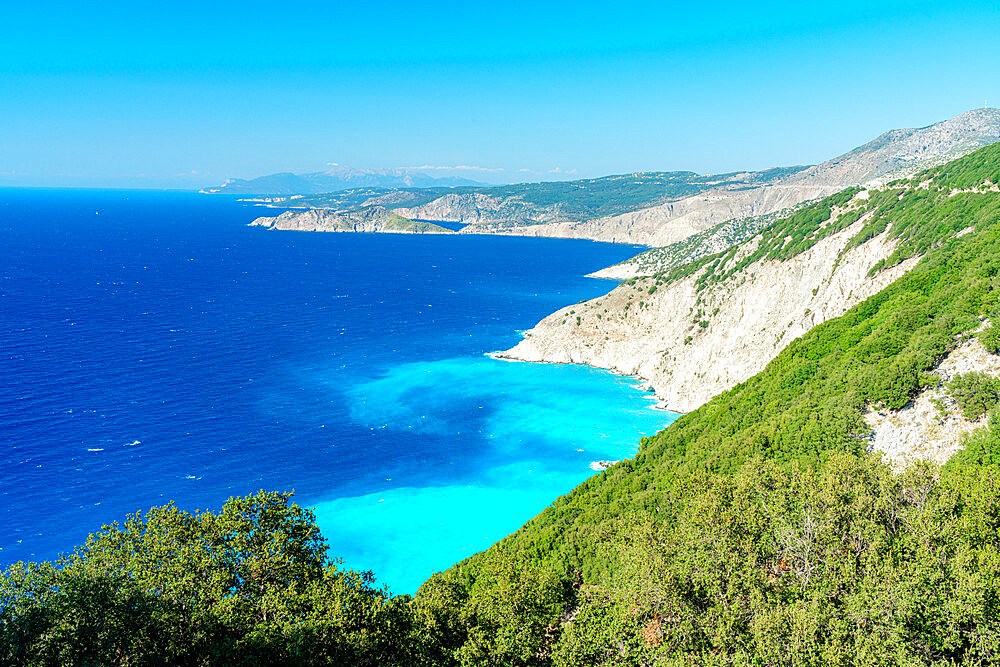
(895, 154)
(486, 212)
(902, 153)
(932, 426)
(691, 342)
(669, 223)
(374, 219)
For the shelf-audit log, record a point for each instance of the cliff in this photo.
(691, 342)
(711, 324)
(894, 154)
(675, 221)
(374, 219)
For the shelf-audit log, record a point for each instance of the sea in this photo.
(154, 348)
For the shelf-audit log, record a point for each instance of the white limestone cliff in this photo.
(748, 318)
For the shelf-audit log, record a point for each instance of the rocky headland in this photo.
(691, 339)
(375, 219)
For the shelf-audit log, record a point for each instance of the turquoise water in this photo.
(538, 428)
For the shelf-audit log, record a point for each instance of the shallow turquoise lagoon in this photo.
(533, 431)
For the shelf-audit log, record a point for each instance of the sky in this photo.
(185, 95)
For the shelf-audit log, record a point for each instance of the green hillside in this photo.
(585, 199)
(682, 543)
(755, 530)
(394, 222)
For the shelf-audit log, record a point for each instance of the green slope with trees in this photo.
(756, 530)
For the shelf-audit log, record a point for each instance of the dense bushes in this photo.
(250, 585)
(990, 338)
(847, 564)
(975, 393)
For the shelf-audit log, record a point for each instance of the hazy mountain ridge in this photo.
(336, 179)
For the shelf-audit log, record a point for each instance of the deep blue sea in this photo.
(155, 348)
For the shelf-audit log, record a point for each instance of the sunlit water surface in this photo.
(154, 348)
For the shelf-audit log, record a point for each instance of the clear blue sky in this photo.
(186, 94)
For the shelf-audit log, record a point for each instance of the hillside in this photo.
(894, 154)
(662, 208)
(498, 209)
(756, 529)
(509, 208)
(762, 528)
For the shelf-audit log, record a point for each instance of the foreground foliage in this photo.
(247, 586)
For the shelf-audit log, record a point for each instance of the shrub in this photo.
(990, 338)
(975, 393)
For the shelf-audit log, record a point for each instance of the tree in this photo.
(249, 585)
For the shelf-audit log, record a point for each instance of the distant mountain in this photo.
(695, 227)
(902, 153)
(336, 179)
(660, 209)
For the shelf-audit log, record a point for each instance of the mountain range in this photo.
(335, 179)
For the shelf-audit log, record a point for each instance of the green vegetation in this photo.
(578, 200)
(251, 585)
(976, 393)
(990, 338)
(755, 530)
(613, 195)
(848, 564)
(396, 222)
(721, 237)
(982, 449)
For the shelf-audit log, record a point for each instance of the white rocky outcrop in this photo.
(748, 318)
(675, 221)
(374, 219)
(932, 426)
(482, 211)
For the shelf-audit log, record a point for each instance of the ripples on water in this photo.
(154, 348)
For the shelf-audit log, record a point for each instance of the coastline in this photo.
(642, 384)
